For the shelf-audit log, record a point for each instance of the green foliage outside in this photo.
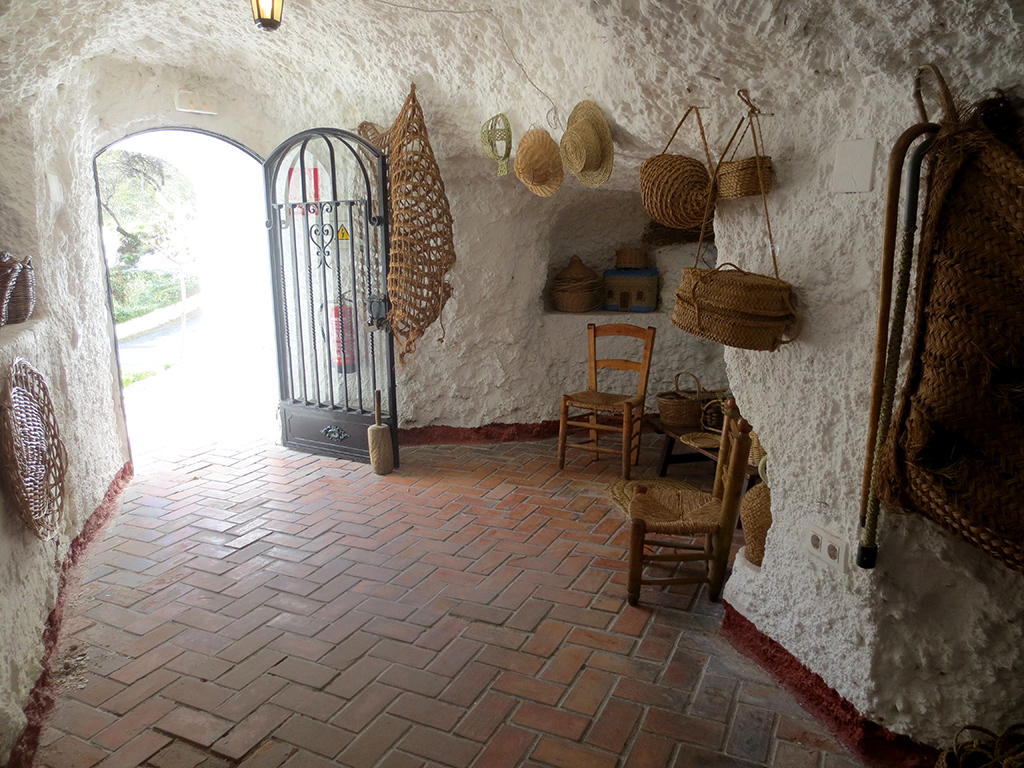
(139, 292)
(131, 377)
(152, 205)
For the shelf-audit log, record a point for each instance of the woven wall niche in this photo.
(422, 249)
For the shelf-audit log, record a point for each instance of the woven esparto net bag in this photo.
(955, 450)
(422, 246)
(678, 191)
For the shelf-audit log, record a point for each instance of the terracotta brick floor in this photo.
(261, 607)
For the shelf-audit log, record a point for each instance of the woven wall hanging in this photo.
(955, 450)
(33, 461)
(422, 249)
(496, 131)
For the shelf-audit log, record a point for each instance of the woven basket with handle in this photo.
(682, 408)
(676, 190)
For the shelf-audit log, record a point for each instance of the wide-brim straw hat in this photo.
(586, 146)
(538, 163)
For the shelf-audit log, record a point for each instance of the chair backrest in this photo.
(642, 367)
(730, 415)
(734, 474)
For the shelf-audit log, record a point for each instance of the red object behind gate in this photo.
(344, 338)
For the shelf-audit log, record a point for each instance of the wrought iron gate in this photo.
(328, 220)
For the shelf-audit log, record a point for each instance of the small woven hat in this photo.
(496, 130)
(538, 164)
(586, 145)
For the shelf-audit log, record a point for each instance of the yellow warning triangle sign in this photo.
(342, 233)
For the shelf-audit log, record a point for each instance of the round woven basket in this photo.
(33, 461)
(734, 329)
(576, 301)
(756, 518)
(680, 408)
(630, 258)
(738, 178)
(675, 190)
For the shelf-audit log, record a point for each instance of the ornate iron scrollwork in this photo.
(337, 434)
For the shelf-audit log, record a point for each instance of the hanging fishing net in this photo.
(422, 251)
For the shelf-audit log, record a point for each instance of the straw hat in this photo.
(538, 164)
(586, 146)
(495, 130)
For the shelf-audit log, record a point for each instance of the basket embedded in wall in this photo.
(577, 288)
(17, 289)
(33, 461)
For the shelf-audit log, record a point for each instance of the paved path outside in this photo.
(259, 607)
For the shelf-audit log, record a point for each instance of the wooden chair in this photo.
(673, 508)
(606, 411)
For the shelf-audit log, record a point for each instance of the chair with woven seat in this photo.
(607, 412)
(666, 507)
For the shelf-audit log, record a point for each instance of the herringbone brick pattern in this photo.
(265, 608)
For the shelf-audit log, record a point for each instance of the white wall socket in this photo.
(188, 101)
(827, 547)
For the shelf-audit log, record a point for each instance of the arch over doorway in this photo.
(202, 371)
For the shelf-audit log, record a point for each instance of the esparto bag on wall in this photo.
(955, 450)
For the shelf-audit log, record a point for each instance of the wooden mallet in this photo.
(382, 455)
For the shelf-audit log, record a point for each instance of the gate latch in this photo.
(378, 312)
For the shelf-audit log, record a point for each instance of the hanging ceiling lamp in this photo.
(267, 13)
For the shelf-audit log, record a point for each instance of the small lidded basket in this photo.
(577, 288)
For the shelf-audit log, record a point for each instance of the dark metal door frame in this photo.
(329, 363)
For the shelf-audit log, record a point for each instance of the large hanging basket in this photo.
(678, 191)
(735, 307)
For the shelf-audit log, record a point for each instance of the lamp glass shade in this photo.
(267, 13)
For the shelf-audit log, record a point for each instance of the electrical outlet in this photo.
(188, 101)
(827, 547)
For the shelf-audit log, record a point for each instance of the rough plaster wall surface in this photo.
(919, 643)
(76, 77)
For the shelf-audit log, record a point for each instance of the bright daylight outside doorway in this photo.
(186, 248)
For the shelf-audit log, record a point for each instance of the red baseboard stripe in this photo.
(489, 433)
(42, 698)
(876, 746)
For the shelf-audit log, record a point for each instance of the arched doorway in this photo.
(197, 361)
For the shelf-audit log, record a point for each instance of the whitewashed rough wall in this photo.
(921, 643)
(75, 77)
